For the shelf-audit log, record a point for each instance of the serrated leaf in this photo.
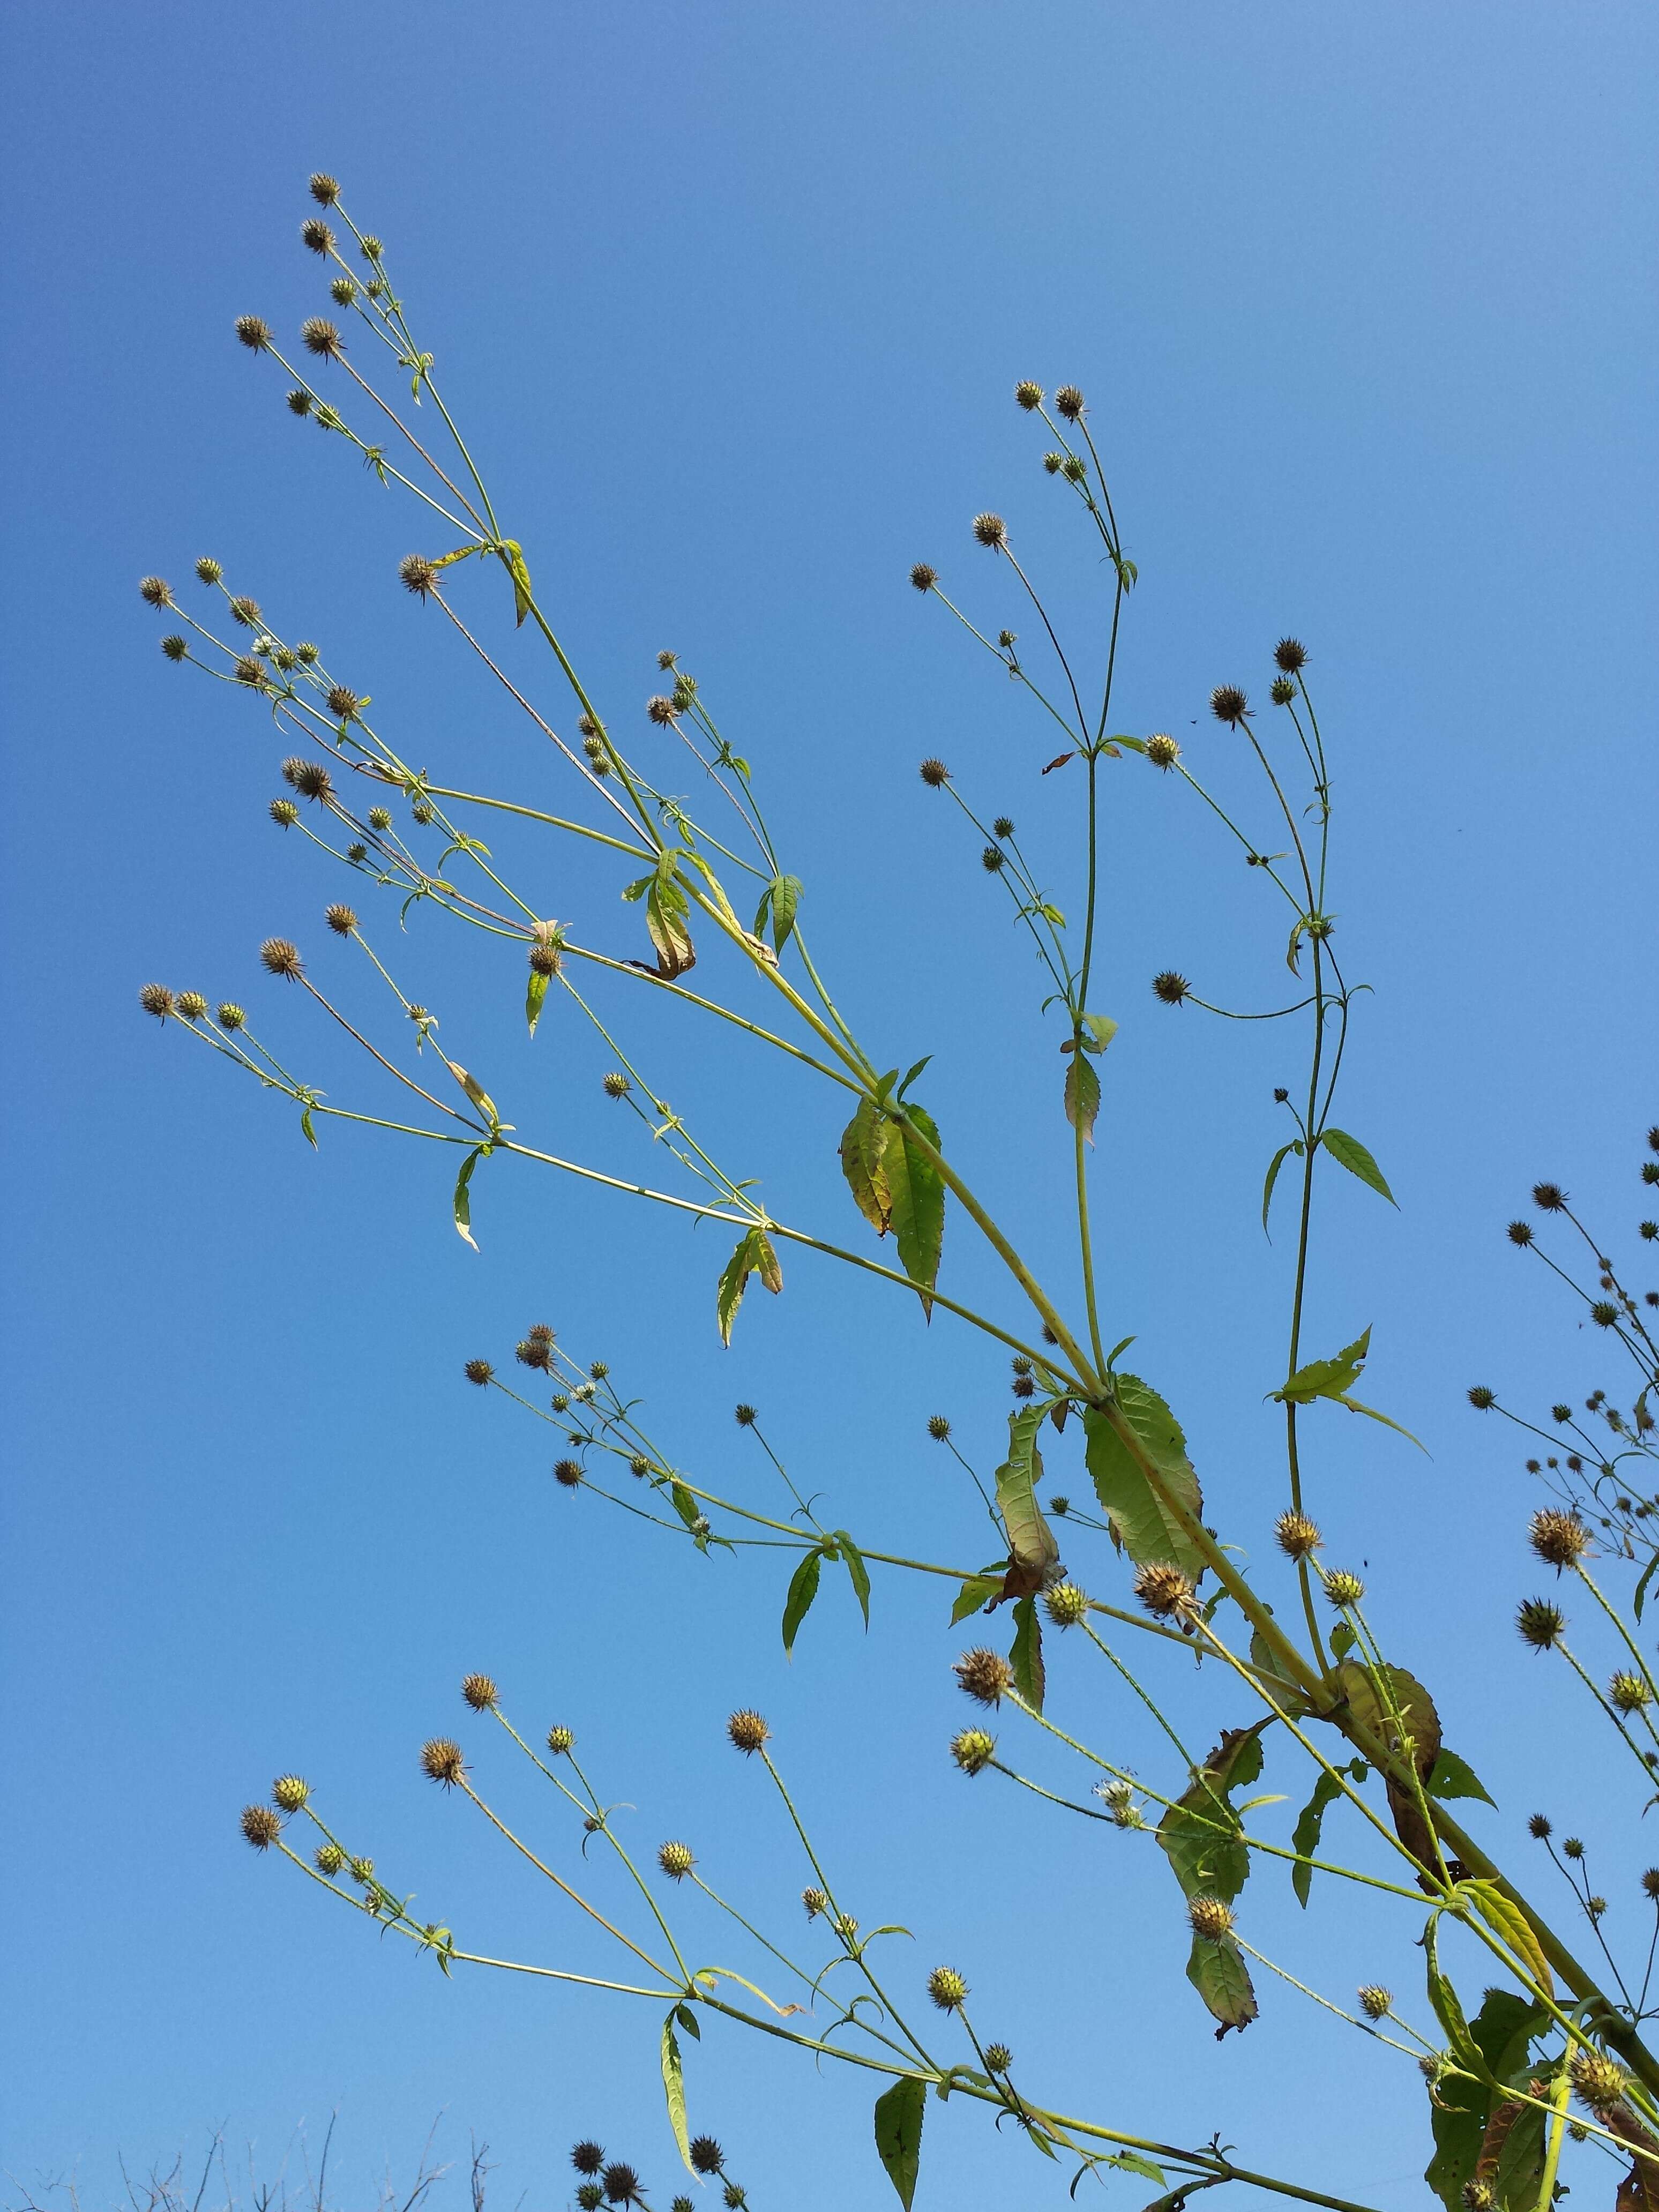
(1642, 1585)
(1326, 1378)
(463, 1195)
(803, 1588)
(1278, 1161)
(533, 998)
(1348, 1152)
(1082, 1095)
(753, 1257)
(513, 553)
(1031, 1541)
(1098, 1031)
(1290, 1698)
(1025, 1655)
(1511, 1926)
(974, 1595)
(1448, 2009)
(918, 1201)
(1143, 1523)
(780, 899)
(1451, 1778)
(1304, 1837)
(900, 2112)
(1218, 1973)
(862, 1143)
(857, 1573)
(673, 2082)
(1200, 1833)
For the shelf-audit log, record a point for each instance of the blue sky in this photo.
(734, 299)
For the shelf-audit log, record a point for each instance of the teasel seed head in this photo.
(191, 1006)
(231, 1016)
(284, 813)
(1066, 1605)
(340, 919)
(1171, 987)
(1228, 704)
(938, 1427)
(747, 1730)
(933, 774)
(947, 1989)
(479, 1371)
(1291, 654)
(1540, 1623)
(676, 1861)
(1628, 1692)
(280, 958)
(319, 336)
(441, 1762)
(1560, 1538)
(479, 1691)
(1028, 395)
(560, 1741)
(1163, 751)
(288, 1792)
(328, 1859)
(984, 1675)
(1163, 1590)
(568, 1474)
(1211, 1917)
(156, 998)
(990, 530)
(1597, 2081)
(1297, 1535)
(1375, 2000)
(1341, 1588)
(973, 1750)
(261, 1826)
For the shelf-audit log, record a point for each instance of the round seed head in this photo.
(1597, 2081)
(990, 530)
(246, 612)
(156, 998)
(747, 1730)
(1560, 1538)
(1540, 1623)
(815, 1901)
(587, 2158)
(362, 1871)
(1519, 1232)
(676, 1861)
(191, 1005)
(1628, 1692)
(175, 647)
(279, 957)
(1375, 2000)
(622, 2183)
(372, 249)
(1549, 1196)
(305, 653)
(947, 1989)
(1573, 1848)
(1211, 1917)
(984, 1675)
(260, 1825)
(590, 2195)
(1171, 987)
(1281, 691)
(998, 2057)
(1068, 402)
(1604, 1313)
(299, 401)
(323, 190)
(1651, 1883)
(319, 336)
(706, 2156)
(561, 1740)
(1296, 1535)
(1228, 704)
(255, 333)
(1028, 396)
(289, 1792)
(1053, 462)
(284, 813)
(1164, 1590)
(1291, 654)
(1538, 1827)
(340, 919)
(343, 291)
(416, 573)
(1163, 751)
(380, 818)
(311, 779)
(328, 1859)
(973, 1750)
(479, 1371)
(660, 710)
(479, 1691)
(1002, 827)
(316, 234)
(154, 591)
(1482, 1398)
(938, 1427)
(250, 670)
(639, 1465)
(536, 1351)
(342, 704)
(935, 773)
(616, 1084)
(568, 1474)
(1066, 1605)
(441, 1762)
(231, 1016)
(209, 569)
(1343, 1588)
(993, 859)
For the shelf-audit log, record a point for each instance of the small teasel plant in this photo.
(1529, 2036)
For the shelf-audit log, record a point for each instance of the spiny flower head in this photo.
(677, 1862)
(1296, 1535)
(340, 919)
(1211, 1917)
(1163, 1590)
(1519, 1232)
(1069, 403)
(260, 1825)
(1028, 395)
(1171, 987)
(1228, 704)
(1482, 1398)
(154, 591)
(1162, 751)
(343, 291)
(660, 710)
(1539, 1826)
(568, 1474)
(319, 336)
(1066, 1605)
(1291, 654)
(191, 1005)
(947, 1989)
(416, 573)
(246, 612)
(311, 779)
(231, 1016)
(156, 998)
(441, 1762)
(284, 813)
(561, 1740)
(342, 704)
(1281, 691)
(1628, 1692)
(1342, 1587)
(300, 402)
(279, 957)
(1560, 1538)
(815, 1901)
(1540, 1623)
(209, 569)
(587, 2158)
(1597, 2081)
(747, 1730)
(328, 1859)
(706, 2155)
(622, 2183)
(933, 774)
(250, 670)
(255, 333)
(984, 1675)
(175, 647)
(938, 1427)
(998, 2058)
(616, 1084)
(316, 234)
(1375, 2000)
(288, 1792)
(973, 1750)
(1549, 1197)
(479, 1371)
(990, 530)
(479, 1691)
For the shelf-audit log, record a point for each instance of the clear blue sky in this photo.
(735, 297)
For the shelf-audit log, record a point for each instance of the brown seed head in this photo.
(1549, 1196)
(255, 333)
(587, 2158)
(1069, 403)
(260, 1825)
(1211, 1917)
(441, 1762)
(175, 647)
(923, 576)
(568, 1474)
(340, 919)
(479, 1371)
(1163, 1590)
(660, 710)
(156, 998)
(319, 336)
(747, 1730)
(1228, 704)
(250, 670)
(316, 234)
(1028, 395)
(342, 704)
(984, 1675)
(1296, 1535)
(479, 1691)
(279, 957)
(1291, 654)
(990, 530)
(154, 591)
(1171, 987)
(706, 2155)
(311, 779)
(1560, 1538)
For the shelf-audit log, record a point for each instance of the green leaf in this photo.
(1098, 1031)
(1398, 1427)
(1031, 1540)
(1348, 1152)
(673, 2082)
(1343, 1639)
(1143, 1524)
(688, 2021)
(1025, 1656)
(1304, 1837)
(1451, 1778)
(533, 998)
(862, 1146)
(513, 553)
(464, 1196)
(803, 1588)
(780, 898)
(975, 1593)
(685, 1505)
(915, 1070)
(1130, 2162)
(1444, 1997)
(900, 2112)
(1218, 1973)
(1501, 2031)
(858, 1574)
(1416, 1708)
(1511, 1926)
(1082, 1095)
(1201, 1832)
(1279, 1159)
(1326, 1378)
(918, 1201)
(307, 1130)
(666, 913)
(1285, 1695)
(1642, 1585)
(754, 1256)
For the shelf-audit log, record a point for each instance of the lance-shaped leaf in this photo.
(476, 1091)
(673, 2082)
(900, 2112)
(917, 1191)
(535, 995)
(1304, 1837)
(1295, 1146)
(803, 1588)
(754, 1256)
(513, 554)
(1201, 1832)
(1512, 1927)
(780, 900)
(857, 1573)
(1025, 1655)
(1395, 1706)
(1348, 1152)
(1461, 2112)
(1218, 1973)
(862, 1144)
(1082, 1095)
(975, 1594)
(464, 1194)
(1142, 1520)
(1033, 1552)
(1326, 1378)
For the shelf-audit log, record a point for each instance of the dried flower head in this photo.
(1069, 403)
(300, 402)
(1341, 1588)
(747, 1730)
(246, 612)
(255, 333)
(1560, 1538)
(660, 710)
(990, 530)
(441, 1762)
(311, 779)
(479, 1371)
(1540, 1623)
(947, 1989)
(815, 1901)
(1066, 1605)
(1482, 1398)
(417, 574)
(616, 1084)
(1211, 1917)
(1028, 395)
(1171, 987)
(260, 1825)
(288, 1792)
(622, 2183)
(706, 2155)
(1549, 1196)
(342, 704)
(1162, 751)
(340, 919)
(973, 1750)
(316, 234)
(984, 1675)
(568, 1474)
(154, 591)
(676, 1861)
(479, 1691)
(587, 2158)
(1228, 704)
(156, 998)
(1163, 1590)
(1296, 1535)
(1519, 1232)
(1291, 654)
(279, 957)
(933, 774)
(319, 336)
(938, 1427)
(175, 647)
(249, 671)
